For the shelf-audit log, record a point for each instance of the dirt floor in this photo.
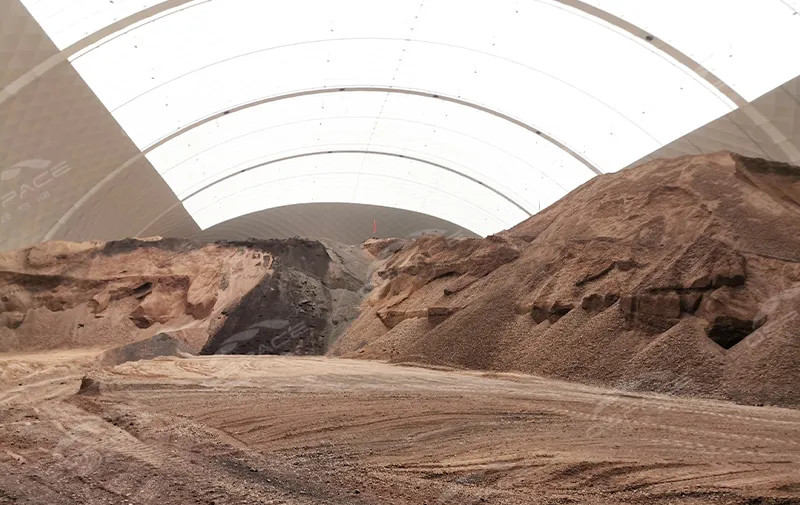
(297, 430)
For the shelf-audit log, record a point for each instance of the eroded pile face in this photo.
(303, 305)
(61, 295)
(680, 276)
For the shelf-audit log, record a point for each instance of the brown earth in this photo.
(161, 345)
(304, 305)
(679, 276)
(99, 295)
(301, 431)
(62, 295)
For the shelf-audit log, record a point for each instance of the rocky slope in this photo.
(61, 295)
(308, 300)
(679, 276)
(161, 345)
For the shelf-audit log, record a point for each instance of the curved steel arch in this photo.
(383, 118)
(377, 89)
(366, 152)
(108, 178)
(329, 152)
(662, 46)
(150, 14)
(406, 40)
(665, 48)
(697, 68)
(163, 7)
(94, 38)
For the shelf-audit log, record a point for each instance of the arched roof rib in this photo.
(594, 84)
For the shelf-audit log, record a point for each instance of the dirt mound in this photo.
(680, 276)
(303, 306)
(61, 295)
(160, 345)
(89, 387)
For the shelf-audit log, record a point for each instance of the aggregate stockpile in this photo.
(678, 276)
(226, 297)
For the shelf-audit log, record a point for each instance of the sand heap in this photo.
(61, 295)
(304, 305)
(162, 345)
(679, 276)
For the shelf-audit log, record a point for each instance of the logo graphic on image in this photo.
(287, 334)
(619, 407)
(23, 166)
(24, 182)
(460, 233)
(74, 453)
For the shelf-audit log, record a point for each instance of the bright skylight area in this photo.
(371, 179)
(477, 112)
(68, 21)
(459, 137)
(750, 45)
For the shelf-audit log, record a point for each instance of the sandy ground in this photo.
(280, 430)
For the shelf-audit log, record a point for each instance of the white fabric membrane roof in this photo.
(478, 112)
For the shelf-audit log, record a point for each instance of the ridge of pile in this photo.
(679, 276)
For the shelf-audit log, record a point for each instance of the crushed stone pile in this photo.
(161, 345)
(309, 300)
(678, 276)
(103, 295)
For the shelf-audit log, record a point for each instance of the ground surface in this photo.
(279, 430)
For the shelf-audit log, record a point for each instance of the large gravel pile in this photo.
(679, 276)
(282, 296)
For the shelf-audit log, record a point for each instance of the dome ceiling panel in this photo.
(477, 112)
(345, 223)
(750, 45)
(67, 22)
(546, 160)
(615, 111)
(336, 177)
(568, 47)
(458, 137)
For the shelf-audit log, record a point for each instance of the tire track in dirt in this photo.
(314, 431)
